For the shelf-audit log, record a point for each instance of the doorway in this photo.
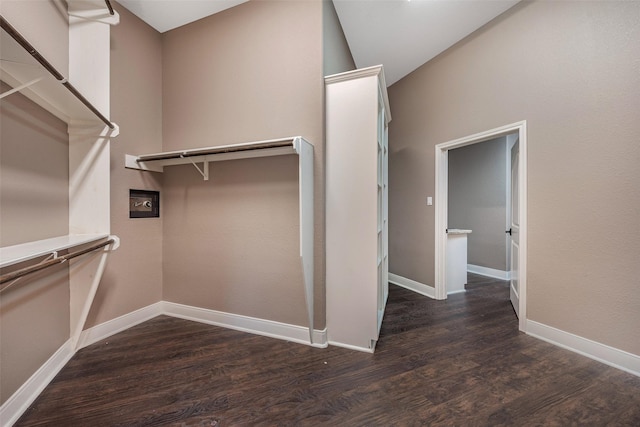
(518, 174)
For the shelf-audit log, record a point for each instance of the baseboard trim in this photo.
(119, 324)
(294, 333)
(611, 356)
(412, 285)
(20, 401)
(268, 328)
(352, 347)
(489, 272)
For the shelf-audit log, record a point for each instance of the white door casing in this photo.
(441, 204)
(514, 230)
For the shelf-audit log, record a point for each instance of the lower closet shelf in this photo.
(10, 255)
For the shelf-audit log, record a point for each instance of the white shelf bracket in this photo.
(81, 11)
(53, 255)
(75, 338)
(205, 168)
(19, 88)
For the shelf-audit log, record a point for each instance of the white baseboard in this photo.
(594, 350)
(352, 347)
(20, 401)
(119, 324)
(294, 333)
(489, 272)
(412, 285)
(269, 328)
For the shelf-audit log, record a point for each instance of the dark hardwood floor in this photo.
(459, 362)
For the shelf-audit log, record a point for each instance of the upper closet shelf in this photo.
(27, 71)
(273, 147)
(15, 254)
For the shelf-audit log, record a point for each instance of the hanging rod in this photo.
(51, 69)
(34, 268)
(217, 150)
(111, 12)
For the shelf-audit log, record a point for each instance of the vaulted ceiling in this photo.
(401, 34)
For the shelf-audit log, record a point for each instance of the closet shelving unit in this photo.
(357, 156)
(27, 71)
(200, 159)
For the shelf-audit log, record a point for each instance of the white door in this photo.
(514, 231)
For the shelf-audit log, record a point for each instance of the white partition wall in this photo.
(357, 265)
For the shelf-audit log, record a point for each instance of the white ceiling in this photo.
(400, 34)
(165, 15)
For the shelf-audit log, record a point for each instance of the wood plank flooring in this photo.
(459, 362)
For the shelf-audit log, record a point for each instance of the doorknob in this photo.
(508, 232)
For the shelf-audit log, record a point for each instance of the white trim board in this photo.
(119, 324)
(268, 328)
(412, 285)
(489, 272)
(252, 325)
(352, 347)
(611, 356)
(28, 392)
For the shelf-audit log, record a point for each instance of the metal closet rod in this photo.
(51, 69)
(32, 269)
(110, 7)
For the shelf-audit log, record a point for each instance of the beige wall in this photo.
(34, 204)
(133, 277)
(34, 172)
(231, 243)
(44, 24)
(250, 73)
(478, 200)
(34, 178)
(263, 72)
(34, 324)
(571, 70)
(335, 50)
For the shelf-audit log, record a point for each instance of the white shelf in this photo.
(272, 147)
(10, 255)
(18, 68)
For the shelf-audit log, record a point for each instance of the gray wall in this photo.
(477, 200)
(571, 70)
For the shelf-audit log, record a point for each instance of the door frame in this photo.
(441, 207)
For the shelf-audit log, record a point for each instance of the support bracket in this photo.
(205, 168)
(19, 88)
